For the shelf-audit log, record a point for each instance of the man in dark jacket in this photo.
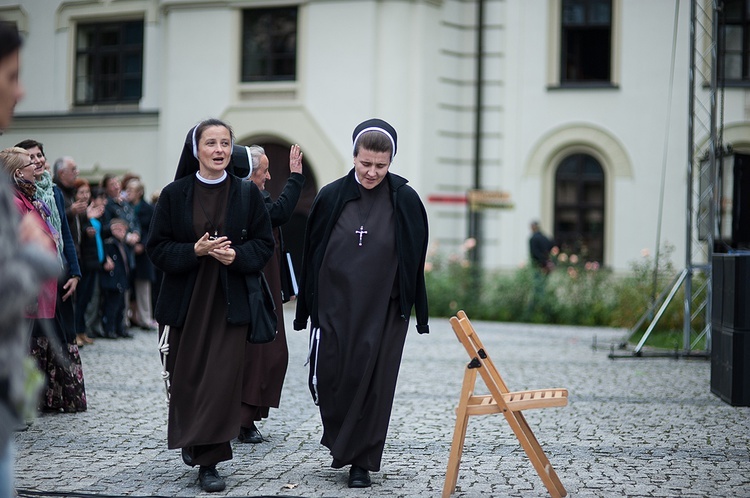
(539, 249)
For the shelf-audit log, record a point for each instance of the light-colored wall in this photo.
(412, 63)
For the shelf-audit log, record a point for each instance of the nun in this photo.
(362, 275)
(210, 231)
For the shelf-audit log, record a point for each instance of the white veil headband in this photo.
(380, 126)
(195, 144)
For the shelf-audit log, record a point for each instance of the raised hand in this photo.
(295, 159)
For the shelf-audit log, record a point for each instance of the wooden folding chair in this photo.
(500, 400)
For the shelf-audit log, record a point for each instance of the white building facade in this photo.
(583, 103)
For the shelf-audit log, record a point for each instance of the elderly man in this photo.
(266, 364)
(64, 174)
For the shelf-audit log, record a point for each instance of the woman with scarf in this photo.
(57, 354)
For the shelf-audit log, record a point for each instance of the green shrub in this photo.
(574, 293)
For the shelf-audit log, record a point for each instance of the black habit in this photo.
(202, 301)
(358, 297)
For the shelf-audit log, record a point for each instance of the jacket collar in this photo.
(395, 182)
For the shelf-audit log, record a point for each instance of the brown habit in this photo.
(206, 355)
(266, 364)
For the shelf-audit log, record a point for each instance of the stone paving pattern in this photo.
(633, 427)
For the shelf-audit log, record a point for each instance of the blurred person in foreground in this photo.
(26, 260)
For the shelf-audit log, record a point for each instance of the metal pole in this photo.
(714, 175)
(475, 216)
(661, 311)
(690, 158)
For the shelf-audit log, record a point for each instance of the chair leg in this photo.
(459, 433)
(536, 454)
(542, 455)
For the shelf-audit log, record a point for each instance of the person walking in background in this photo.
(266, 364)
(539, 254)
(209, 234)
(362, 274)
(539, 249)
(143, 274)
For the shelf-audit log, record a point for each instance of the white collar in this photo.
(210, 182)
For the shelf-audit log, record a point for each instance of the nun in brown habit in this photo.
(362, 275)
(210, 231)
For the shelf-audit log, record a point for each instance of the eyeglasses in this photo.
(27, 165)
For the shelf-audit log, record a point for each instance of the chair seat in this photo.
(538, 398)
(519, 400)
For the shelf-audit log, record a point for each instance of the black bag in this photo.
(288, 278)
(262, 327)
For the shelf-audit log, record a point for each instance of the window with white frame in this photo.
(585, 42)
(109, 62)
(734, 41)
(269, 44)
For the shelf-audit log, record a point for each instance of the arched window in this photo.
(579, 207)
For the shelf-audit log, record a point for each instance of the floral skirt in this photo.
(64, 390)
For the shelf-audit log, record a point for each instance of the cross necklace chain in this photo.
(214, 227)
(361, 232)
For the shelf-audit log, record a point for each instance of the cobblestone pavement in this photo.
(633, 427)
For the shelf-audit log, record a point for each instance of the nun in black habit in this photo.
(362, 274)
(209, 233)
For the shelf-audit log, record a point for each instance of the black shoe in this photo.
(125, 335)
(210, 480)
(359, 477)
(187, 458)
(250, 435)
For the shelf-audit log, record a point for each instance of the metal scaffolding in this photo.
(704, 152)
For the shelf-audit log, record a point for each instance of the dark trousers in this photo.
(113, 312)
(65, 315)
(84, 293)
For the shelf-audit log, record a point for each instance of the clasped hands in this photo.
(216, 247)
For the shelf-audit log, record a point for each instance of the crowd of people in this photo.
(105, 283)
(191, 256)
